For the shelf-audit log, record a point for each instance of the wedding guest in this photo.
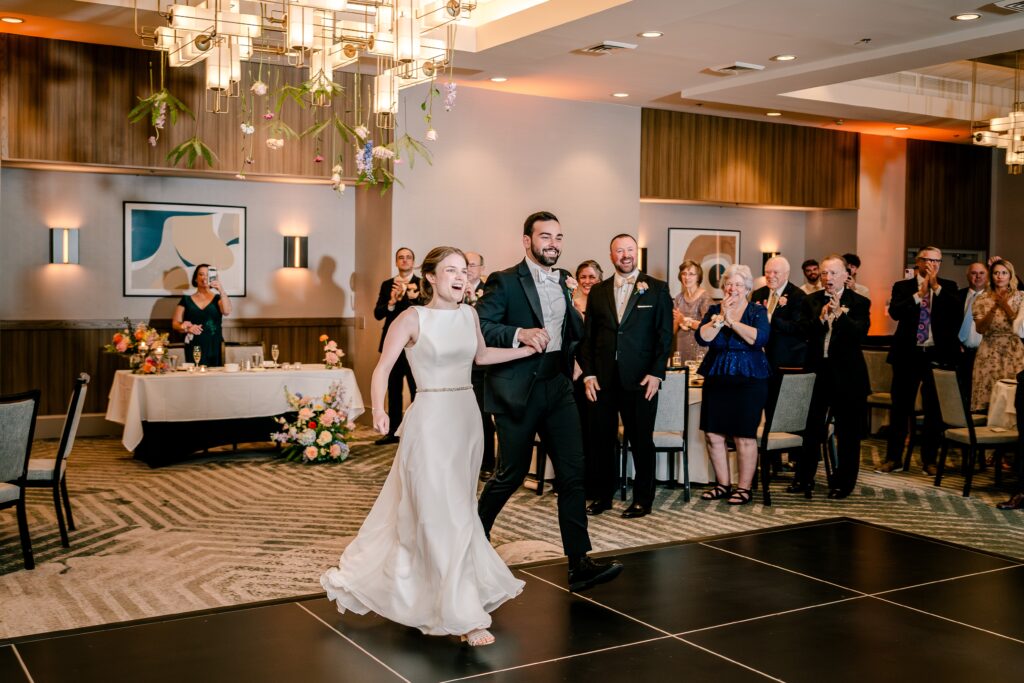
(977, 279)
(782, 300)
(397, 294)
(812, 276)
(627, 339)
(736, 373)
(475, 290)
(588, 274)
(690, 305)
(836, 321)
(852, 266)
(1000, 354)
(199, 316)
(928, 318)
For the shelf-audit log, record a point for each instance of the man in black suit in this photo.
(396, 295)
(928, 318)
(970, 339)
(787, 345)
(530, 304)
(836, 321)
(626, 343)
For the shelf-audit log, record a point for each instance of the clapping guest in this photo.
(782, 300)
(1000, 354)
(475, 273)
(397, 294)
(852, 266)
(588, 274)
(836, 322)
(736, 373)
(970, 339)
(199, 317)
(690, 305)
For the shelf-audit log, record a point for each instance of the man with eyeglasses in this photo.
(928, 317)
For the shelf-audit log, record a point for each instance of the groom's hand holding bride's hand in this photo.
(380, 421)
(535, 337)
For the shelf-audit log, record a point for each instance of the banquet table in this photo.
(169, 416)
(1001, 409)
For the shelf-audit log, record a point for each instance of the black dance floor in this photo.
(837, 600)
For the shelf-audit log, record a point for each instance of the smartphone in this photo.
(211, 275)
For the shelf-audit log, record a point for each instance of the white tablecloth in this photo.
(1001, 410)
(218, 395)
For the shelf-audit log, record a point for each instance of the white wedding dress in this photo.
(421, 557)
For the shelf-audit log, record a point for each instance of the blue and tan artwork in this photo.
(164, 242)
(714, 250)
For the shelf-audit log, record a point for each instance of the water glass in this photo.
(677, 360)
(248, 365)
(172, 363)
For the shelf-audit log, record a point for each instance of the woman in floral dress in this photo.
(690, 306)
(1001, 353)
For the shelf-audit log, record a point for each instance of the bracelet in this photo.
(718, 324)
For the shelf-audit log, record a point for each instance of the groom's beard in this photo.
(545, 259)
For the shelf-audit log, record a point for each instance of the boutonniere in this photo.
(571, 284)
(783, 300)
(641, 288)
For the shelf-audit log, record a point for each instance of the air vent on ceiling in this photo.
(736, 68)
(606, 47)
(1012, 5)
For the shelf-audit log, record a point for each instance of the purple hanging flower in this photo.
(449, 96)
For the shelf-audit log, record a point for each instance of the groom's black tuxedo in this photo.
(533, 396)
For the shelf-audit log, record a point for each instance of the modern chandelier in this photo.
(399, 42)
(1007, 132)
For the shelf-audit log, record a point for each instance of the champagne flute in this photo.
(197, 354)
(274, 353)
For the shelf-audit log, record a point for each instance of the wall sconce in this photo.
(765, 255)
(63, 245)
(296, 251)
(643, 260)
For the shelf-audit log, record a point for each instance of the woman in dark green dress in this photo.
(199, 317)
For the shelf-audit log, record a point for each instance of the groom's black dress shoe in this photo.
(589, 573)
(635, 510)
(386, 440)
(597, 507)
(838, 494)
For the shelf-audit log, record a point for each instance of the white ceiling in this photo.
(540, 58)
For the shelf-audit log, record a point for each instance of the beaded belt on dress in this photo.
(468, 387)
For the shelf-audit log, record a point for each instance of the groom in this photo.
(530, 304)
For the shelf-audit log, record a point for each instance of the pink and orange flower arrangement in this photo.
(332, 352)
(320, 431)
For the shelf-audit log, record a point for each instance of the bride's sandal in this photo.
(739, 497)
(478, 638)
(716, 493)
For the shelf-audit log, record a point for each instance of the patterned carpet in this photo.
(243, 527)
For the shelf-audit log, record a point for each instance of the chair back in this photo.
(789, 412)
(673, 402)
(879, 371)
(951, 401)
(17, 425)
(239, 352)
(67, 437)
(175, 351)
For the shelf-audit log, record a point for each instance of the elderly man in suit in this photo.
(928, 317)
(397, 294)
(627, 339)
(787, 345)
(836, 321)
(530, 303)
(970, 338)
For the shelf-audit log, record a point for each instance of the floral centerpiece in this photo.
(320, 432)
(143, 345)
(332, 352)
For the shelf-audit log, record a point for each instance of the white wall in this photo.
(499, 158)
(32, 201)
(761, 230)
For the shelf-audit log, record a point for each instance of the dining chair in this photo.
(785, 422)
(176, 351)
(51, 473)
(962, 431)
(17, 424)
(239, 352)
(880, 380)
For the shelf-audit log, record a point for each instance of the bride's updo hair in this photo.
(429, 266)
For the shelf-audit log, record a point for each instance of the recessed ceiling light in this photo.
(966, 16)
(498, 79)
(783, 58)
(902, 128)
(12, 20)
(773, 113)
(620, 94)
(651, 34)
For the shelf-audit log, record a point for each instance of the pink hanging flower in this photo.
(152, 141)
(269, 115)
(317, 159)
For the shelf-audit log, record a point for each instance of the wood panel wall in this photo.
(949, 193)
(49, 354)
(68, 102)
(714, 159)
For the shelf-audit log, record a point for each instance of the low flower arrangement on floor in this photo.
(332, 352)
(144, 346)
(320, 433)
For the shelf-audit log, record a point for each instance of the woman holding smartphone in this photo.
(198, 317)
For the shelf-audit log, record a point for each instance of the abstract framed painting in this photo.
(714, 250)
(163, 243)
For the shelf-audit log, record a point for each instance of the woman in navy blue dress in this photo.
(736, 373)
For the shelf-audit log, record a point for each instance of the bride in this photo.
(421, 557)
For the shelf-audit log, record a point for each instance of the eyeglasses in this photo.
(929, 260)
